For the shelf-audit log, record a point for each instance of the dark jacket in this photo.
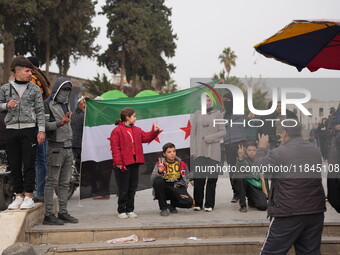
(292, 193)
(121, 146)
(235, 132)
(77, 128)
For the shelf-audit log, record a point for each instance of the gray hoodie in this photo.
(58, 135)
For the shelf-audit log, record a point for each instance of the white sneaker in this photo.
(16, 203)
(209, 209)
(132, 215)
(122, 215)
(27, 204)
(197, 208)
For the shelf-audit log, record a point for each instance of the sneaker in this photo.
(16, 203)
(65, 217)
(27, 204)
(123, 215)
(235, 199)
(243, 209)
(172, 209)
(197, 208)
(38, 198)
(131, 215)
(164, 212)
(52, 220)
(208, 209)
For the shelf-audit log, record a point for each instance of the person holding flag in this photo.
(127, 153)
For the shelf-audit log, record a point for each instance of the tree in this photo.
(38, 35)
(12, 14)
(75, 33)
(170, 86)
(228, 59)
(61, 29)
(141, 36)
(99, 85)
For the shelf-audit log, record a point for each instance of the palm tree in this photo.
(228, 59)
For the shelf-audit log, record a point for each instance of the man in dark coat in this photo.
(296, 200)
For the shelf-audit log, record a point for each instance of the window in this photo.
(320, 112)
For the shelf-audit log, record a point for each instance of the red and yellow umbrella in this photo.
(305, 43)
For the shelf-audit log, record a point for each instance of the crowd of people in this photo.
(42, 137)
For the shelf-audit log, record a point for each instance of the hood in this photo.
(61, 82)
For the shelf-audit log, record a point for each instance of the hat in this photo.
(20, 61)
(34, 61)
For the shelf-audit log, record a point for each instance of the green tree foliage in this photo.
(99, 85)
(76, 35)
(228, 59)
(141, 38)
(170, 86)
(12, 14)
(61, 30)
(38, 36)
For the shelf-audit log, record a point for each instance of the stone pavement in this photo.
(94, 214)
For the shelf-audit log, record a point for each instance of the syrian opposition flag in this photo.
(172, 111)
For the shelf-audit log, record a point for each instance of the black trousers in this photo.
(303, 231)
(231, 158)
(256, 197)
(209, 182)
(333, 189)
(127, 183)
(179, 197)
(20, 148)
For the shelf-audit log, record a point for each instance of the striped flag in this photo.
(172, 111)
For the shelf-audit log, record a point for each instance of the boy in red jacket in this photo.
(170, 182)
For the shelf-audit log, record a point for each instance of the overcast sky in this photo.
(204, 28)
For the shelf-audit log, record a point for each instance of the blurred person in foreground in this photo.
(296, 203)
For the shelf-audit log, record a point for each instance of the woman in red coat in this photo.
(127, 154)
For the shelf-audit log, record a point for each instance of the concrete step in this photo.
(230, 246)
(59, 235)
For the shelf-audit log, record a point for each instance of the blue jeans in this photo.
(40, 167)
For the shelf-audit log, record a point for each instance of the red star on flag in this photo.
(187, 130)
(157, 138)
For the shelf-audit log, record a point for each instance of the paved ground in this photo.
(103, 213)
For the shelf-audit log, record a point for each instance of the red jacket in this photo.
(121, 145)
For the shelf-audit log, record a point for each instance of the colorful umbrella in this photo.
(305, 43)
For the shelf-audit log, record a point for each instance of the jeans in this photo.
(40, 167)
(59, 170)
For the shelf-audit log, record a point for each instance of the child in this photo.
(169, 181)
(127, 154)
(250, 184)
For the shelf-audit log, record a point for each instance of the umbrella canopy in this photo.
(305, 43)
(113, 94)
(147, 93)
